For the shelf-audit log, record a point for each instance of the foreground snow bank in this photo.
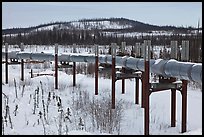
(194, 132)
(81, 132)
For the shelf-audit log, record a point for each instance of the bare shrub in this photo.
(105, 118)
(101, 115)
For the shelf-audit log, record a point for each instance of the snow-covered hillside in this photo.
(86, 25)
(99, 25)
(115, 25)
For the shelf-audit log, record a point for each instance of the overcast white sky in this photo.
(25, 14)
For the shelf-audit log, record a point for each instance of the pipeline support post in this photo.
(74, 74)
(184, 105)
(56, 66)
(113, 49)
(96, 69)
(173, 103)
(74, 67)
(31, 73)
(123, 44)
(174, 49)
(22, 63)
(173, 107)
(136, 90)
(123, 82)
(6, 64)
(143, 90)
(22, 69)
(147, 44)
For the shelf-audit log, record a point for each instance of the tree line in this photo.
(95, 36)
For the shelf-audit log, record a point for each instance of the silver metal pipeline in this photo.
(11, 54)
(168, 68)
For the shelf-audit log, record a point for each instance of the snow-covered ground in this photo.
(32, 100)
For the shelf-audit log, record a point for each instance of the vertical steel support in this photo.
(6, 64)
(143, 90)
(174, 49)
(31, 73)
(136, 90)
(74, 74)
(173, 107)
(74, 66)
(113, 83)
(123, 44)
(147, 44)
(137, 50)
(113, 48)
(184, 105)
(185, 50)
(146, 94)
(123, 82)
(22, 63)
(96, 69)
(22, 69)
(56, 66)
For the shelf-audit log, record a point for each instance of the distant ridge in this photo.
(101, 24)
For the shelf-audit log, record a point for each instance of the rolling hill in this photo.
(121, 25)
